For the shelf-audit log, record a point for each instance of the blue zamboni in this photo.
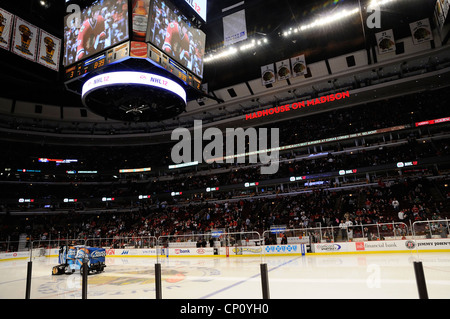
(71, 259)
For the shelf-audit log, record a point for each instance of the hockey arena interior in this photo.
(195, 149)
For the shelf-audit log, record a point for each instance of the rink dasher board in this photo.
(14, 255)
(386, 246)
(235, 251)
(389, 246)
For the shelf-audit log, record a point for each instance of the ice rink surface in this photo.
(352, 276)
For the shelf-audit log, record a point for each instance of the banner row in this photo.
(28, 41)
(296, 66)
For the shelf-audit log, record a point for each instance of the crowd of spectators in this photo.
(405, 200)
(411, 151)
(406, 110)
(400, 199)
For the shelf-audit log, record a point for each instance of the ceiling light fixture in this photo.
(378, 3)
(320, 22)
(233, 50)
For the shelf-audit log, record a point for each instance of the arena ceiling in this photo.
(265, 19)
(268, 19)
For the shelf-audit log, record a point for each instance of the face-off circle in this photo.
(134, 96)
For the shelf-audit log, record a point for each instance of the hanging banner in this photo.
(283, 70)
(439, 15)
(49, 50)
(234, 28)
(267, 74)
(421, 31)
(298, 64)
(25, 39)
(445, 5)
(6, 27)
(385, 41)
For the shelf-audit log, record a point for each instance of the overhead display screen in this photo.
(199, 6)
(176, 38)
(100, 26)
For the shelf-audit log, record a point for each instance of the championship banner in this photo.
(421, 31)
(267, 74)
(49, 50)
(6, 27)
(234, 28)
(445, 5)
(439, 15)
(25, 39)
(385, 41)
(283, 70)
(298, 64)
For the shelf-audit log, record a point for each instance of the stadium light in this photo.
(320, 22)
(232, 51)
(378, 3)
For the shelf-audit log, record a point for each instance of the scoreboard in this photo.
(131, 50)
(81, 69)
(159, 58)
(136, 44)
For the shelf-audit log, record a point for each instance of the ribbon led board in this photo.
(136, 78)
(134, 96)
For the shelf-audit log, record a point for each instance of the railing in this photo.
(123, 242)
(431, 228)
(363, 232)
(9, 246)
(214, 239)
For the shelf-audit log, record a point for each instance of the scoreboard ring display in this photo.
(114, 36)
(133, 96)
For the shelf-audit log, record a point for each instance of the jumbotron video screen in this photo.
(176, 38)
(103, 24)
